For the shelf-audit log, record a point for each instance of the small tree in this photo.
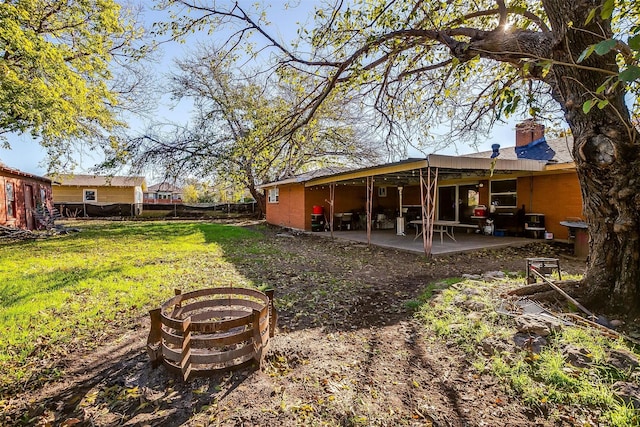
(189, 193)
(57, 70)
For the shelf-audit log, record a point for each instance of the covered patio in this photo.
(464, 242)
(435, 195)
(527, 190)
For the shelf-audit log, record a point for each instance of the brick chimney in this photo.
(528, 131)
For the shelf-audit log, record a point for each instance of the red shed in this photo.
(20, 194)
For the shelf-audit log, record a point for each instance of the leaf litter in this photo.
(347, 352)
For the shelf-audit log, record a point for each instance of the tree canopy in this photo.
(239, 130)
(57, 79)
(460, 64)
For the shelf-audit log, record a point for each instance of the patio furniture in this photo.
(534, 225)
(442, 227)
(384, 223)
(317, 222)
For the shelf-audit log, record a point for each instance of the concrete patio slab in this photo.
(464, 242)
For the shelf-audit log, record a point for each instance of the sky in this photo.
(27, 155)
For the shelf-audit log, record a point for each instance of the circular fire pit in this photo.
(211, 330)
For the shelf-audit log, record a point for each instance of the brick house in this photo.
(536, 176)
(20, 194)
(163, 193)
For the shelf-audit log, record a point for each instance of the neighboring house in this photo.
(20, 194)
(534, 177)
(163, 193)
(91, 195)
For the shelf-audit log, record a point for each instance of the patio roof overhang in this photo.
(450, 167)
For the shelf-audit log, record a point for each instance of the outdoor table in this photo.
(442, 227)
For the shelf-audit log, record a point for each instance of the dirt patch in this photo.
(347, 352)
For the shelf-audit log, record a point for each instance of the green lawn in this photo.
(70, 291)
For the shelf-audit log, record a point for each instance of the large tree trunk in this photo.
(260, 199)
(607, 157)
(609, 173)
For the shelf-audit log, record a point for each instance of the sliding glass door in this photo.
(456, 202)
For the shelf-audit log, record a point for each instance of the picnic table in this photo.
(442, 227)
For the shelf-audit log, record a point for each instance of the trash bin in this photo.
(317, 222)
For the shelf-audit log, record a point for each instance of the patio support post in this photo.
(428, 191)
(369, 207)
(332, 198)
(400, 222)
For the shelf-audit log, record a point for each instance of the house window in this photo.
(504, 193)
(11, 200)
(274, 195)
(43, 196)
(90, 195)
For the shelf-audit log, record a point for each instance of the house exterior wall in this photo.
(162, 198)
(22, 218)
(290, 209)
(350, 199)
(296, 203)
(105, 195)
(557, 196)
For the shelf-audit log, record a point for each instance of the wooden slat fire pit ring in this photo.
(212, 330)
